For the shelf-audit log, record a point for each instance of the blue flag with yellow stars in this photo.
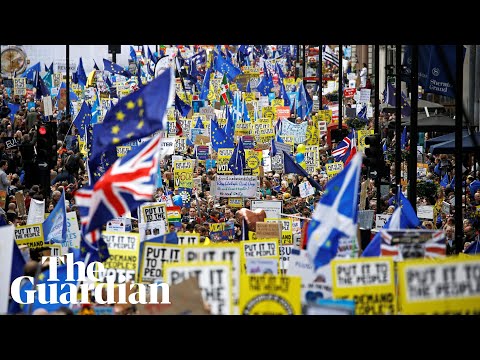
(115, 68)
(82, 77)
(226, 67)
(136, 116)
(237, 160)
(82, 120)
(181, 106)
(219, 138)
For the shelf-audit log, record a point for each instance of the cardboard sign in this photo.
(267, 230)
(214, 278)
(369, 282)
(188, 301)
(270, 295)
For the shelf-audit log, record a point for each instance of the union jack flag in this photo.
(346, 149)
(433, 247)
(128, 183)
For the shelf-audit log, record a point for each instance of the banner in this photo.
(214, 278)
(440, 287)
(270, 295)
(223, 158)
(236, 186)
(123, 261)
(30, 235)
(299, 131)
(368, 281)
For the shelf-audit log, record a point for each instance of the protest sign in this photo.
(153, 256)
(315, 285)
(270, 295)
(236, 186)
(152, 229)
(188, 301)
(440, 287)
(267, 230)
(264, 248)
(120, 224)
(217, 253)
(425, 212)
(273, 208)
(214, 278)
(299, 131)
(153, 212)
(412, 243)
(381, 220)
(73, 232)
(287, 235)
(123, 261)
(368, 281)
(188, 238)
(365, 219)
(256, 266)
(30, 235)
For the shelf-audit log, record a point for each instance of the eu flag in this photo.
(182, 107)
(81, 76)
(226, 67)
(83, 118)
(30, 72)
(137, 115)
(219, 138)
(205, 85)
(237, 161)
(115, 69)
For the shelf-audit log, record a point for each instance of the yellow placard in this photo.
(223, 158)
(123, 150)
(333, 168)
(362, 134)
(270, 295)
(123, 261)
(154, 212)
(440, 286)
(30, 235)
(253, 160)
(269, 112)
(235, 202)
(183, 174)
(277, 102)
(262, 248)
(368, 281)
(287, 234)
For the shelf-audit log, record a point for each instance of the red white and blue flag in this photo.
(128, 183)
(346, 149)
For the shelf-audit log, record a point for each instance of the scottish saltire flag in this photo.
(329, 55)
(55, 226)
(237, 161)
(305, 102)
(205, 85)
(226, 67)
(335, 215)
(136, 115)
(82, 77)
(128, 183)
(345, 148)
(403, 138)
(219, 138)
(362, 114)
(30, 72)
(83, 118)
(115, 69)
(404, 217)
(95, 110)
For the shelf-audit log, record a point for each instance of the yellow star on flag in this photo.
(115, 140)
(115, 129)
(130, 105)
(129, 135)
(140, 102)
(120, 116)
(140, 113)
(140, 124)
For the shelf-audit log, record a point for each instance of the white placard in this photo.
(273, 208)
(380, 220)
(425, 212)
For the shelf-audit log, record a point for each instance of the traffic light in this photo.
(374, 155)
(47, 143)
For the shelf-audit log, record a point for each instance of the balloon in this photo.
(303, 164)
(177, 200)
(301, 148)
(299, 157)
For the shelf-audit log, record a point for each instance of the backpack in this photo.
(71, 164)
